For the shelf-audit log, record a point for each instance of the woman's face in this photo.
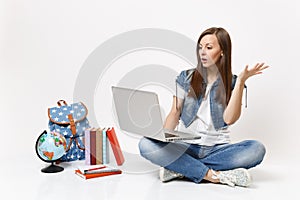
(210, 50)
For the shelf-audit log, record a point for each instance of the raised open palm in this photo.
(256, 69)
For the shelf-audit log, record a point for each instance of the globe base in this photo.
(52, 169)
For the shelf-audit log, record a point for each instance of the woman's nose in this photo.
(202, 52)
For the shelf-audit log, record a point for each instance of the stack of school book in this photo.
(97, 141)
(98, 171)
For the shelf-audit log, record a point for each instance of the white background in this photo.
(43, 45)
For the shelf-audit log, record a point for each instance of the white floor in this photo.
(25, 180)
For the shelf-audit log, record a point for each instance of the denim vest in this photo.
(191, 105)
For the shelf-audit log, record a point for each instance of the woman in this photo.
(208, 99)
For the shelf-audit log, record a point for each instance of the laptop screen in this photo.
(137, 111)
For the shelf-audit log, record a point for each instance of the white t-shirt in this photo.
(203, 124)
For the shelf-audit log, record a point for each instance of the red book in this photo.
(95, 175)
(93, 146)
(112, 137)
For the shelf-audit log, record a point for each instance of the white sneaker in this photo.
(239, 177)
(166, 175)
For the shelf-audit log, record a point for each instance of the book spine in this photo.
(93, 146)
(87, 146)
(89, 176)
(102, 171)
(99, 146)
(107, 151)
(105, 147)
(111, 134)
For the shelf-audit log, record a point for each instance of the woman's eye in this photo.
(209, 47)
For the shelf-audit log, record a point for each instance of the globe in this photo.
(50, 147)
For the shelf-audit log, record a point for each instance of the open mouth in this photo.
(204, 60)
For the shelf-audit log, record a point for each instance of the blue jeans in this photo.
(193, 161)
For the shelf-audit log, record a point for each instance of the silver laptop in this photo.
(139, 112)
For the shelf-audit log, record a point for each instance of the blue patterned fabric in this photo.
(60, 122)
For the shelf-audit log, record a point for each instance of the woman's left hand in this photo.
(256, 69)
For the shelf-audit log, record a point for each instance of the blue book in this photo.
(105, 150)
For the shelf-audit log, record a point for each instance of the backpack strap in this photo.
(73, 130)
(69, 146)
(77, 143)
(72, 124)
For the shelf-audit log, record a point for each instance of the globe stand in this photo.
(52, 168)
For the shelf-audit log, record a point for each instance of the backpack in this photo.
(70, 121)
